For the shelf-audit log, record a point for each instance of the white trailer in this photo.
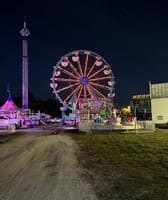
(159, 110)
(159, 102)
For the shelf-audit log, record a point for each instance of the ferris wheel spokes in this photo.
(84, 91)
(89, 91)
(80, 68)
(101, 86)
(73, 68)
(65, 79)
(73, 92)
(86, 63)
(97, 92)
(79, 94)
(101, 78)
(91, 69)
(97, 72)
(66, 72)
(65, 88)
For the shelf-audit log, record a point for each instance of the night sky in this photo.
(130, 35)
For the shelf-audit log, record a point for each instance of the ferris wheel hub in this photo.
(84, 80)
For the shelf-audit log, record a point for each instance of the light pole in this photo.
(135, 110)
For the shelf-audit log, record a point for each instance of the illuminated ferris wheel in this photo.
(83, 74)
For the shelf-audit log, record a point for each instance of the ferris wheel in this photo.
(83, 74)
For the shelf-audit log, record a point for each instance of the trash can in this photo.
(12, 128)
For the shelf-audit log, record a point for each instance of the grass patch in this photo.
(126, 166)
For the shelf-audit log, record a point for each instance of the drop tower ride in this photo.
(25, 33)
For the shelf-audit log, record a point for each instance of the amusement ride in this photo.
(81, 74)
(84, 74)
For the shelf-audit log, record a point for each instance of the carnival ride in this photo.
(81, 74)
(83, 82)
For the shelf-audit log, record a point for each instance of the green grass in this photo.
(126, 166)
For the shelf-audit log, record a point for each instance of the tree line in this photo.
(48, 106)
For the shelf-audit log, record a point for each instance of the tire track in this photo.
(35, 167)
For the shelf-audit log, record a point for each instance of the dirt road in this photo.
(42, 167)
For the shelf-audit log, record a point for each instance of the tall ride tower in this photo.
(24, 33)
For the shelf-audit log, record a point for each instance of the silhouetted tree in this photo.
(49, 106)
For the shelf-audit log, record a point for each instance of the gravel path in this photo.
(42, 167)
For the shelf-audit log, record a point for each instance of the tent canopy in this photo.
(9, 106)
